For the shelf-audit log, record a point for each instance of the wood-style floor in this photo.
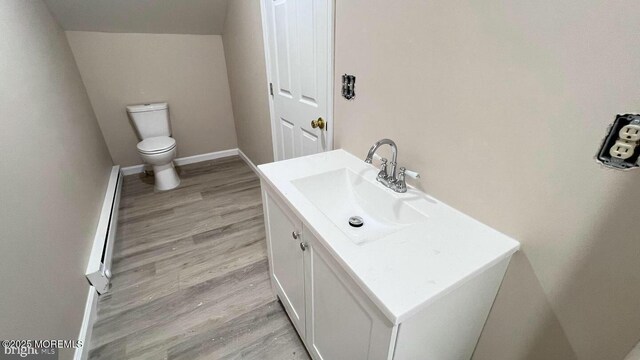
(190, 273)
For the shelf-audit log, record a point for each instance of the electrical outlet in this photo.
(620, 147)
(623, 149)
(630, 132)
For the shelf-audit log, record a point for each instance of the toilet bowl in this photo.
(159, 152)
(157, 148)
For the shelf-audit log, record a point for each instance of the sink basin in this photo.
(342, 194)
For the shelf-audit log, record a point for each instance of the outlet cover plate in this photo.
(614, 135)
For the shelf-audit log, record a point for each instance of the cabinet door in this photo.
(286, 261)
(343, 322)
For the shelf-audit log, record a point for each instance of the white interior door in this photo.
(299, 60)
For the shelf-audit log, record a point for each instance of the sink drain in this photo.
(356, 221)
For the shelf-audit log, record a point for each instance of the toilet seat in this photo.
(156, 145)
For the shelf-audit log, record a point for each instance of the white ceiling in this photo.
(141, 16)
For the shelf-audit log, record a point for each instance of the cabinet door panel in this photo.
(344, 323)
(286, 260)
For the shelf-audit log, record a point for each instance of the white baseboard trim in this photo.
(134, 169)
(246, 159)
(205, 157)
(90, 315)
(137, 169)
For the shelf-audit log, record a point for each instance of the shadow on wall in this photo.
(521, 295)
(608, 275)
(604, 284)
(634, 354)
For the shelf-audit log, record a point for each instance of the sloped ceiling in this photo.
(141, 16)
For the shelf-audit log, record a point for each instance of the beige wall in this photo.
(55, 168)
(188, 71)
(244, 51)
(501, 105)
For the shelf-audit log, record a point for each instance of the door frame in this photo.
(330, 81)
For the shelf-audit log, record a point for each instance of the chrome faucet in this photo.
(384, 176)
(390, 179)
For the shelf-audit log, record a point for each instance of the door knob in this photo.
(318, 123)
(303, 246)
(295, 235)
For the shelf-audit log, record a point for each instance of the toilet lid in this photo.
(156, 144)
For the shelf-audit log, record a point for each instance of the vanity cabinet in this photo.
(338, 321)
(415, 281)
(335, 319)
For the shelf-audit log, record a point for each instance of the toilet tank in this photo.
(150, 120)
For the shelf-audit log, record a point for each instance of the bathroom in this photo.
(153, 153)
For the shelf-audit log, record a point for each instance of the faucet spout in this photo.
(377, 144)
(391, 175)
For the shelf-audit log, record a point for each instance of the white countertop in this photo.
(404, 271)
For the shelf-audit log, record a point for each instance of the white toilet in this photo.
(157, 148)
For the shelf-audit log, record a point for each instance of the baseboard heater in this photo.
(99, 267)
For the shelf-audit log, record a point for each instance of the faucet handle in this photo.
(382, 174)
(375, 156)
(409, 173)
(401, 184)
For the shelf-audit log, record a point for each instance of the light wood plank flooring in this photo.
(190, 273)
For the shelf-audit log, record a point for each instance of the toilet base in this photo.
(166, 177)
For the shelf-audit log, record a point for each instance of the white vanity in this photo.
(415, 281)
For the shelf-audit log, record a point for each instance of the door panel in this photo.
(298, 45)
(341, 327)
(288, 133)
(310, 143)
(343, 323)
(286, 261)
(282, 44)
(307, 33)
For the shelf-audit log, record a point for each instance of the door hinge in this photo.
(271, 89)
